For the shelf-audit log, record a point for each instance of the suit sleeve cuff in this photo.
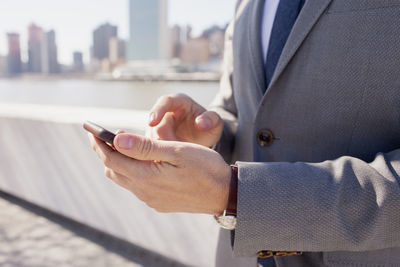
(264, 210)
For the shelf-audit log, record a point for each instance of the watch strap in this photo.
(233, 192)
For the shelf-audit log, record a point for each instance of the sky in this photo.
(74, 20)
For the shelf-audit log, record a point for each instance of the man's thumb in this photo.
(143, 148)
(208, 121)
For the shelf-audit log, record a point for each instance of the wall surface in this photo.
(46, 159)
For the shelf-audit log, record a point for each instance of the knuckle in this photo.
(160, 131)
(166, 98)
(184, 154)
(159, 99)
(159, 103)
(176, 152)
(172, 97)
(182, 96)
(145, 147)
(162, 102)
(179, 150)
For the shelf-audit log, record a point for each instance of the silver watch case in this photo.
(227, 222)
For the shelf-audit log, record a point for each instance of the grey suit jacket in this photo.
(328, 185)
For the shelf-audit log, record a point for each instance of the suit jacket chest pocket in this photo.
(354, 6)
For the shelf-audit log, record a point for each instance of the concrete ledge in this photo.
(114, 118)
(46, 159)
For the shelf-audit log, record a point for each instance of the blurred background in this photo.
(64, 62)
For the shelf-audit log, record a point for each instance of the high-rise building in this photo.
(14, 64)
(117, 50)
(149, 32)
(101, 40)
(78, 62)
(187, 32)
(179, 37)
(49, 53)
(35, 36)
(176, 41)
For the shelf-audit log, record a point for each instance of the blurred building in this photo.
(49, 53)
(187, 32)
(195, 51)
(117, 53)
(149, 34)
(179, 36)
(217, 43)
(78, 62)
(176, 42)
(216, 37)
(14, 63)
(3, 66)
(35, 35)
(101, 40)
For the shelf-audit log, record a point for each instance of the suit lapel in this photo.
(309, 15)
(255, 46)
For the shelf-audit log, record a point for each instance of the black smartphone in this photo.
(99, 132)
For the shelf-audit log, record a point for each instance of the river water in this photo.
(126, 95)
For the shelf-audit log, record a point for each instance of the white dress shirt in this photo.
(270, 8)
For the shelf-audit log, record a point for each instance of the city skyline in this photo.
(71, 37)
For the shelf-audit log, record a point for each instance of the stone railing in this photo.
(46, 159)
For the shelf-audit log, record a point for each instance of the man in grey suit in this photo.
(315, 143)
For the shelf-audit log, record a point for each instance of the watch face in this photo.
(227, 222)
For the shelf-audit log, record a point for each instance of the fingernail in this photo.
(152, 117)
(125, 141)
(204, 123)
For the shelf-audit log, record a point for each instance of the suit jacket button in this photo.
(265, 138)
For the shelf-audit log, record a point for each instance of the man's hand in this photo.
(168, 176)
(179, 118)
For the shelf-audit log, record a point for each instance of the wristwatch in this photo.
(228, 219)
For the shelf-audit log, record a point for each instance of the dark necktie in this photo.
(286, 16)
